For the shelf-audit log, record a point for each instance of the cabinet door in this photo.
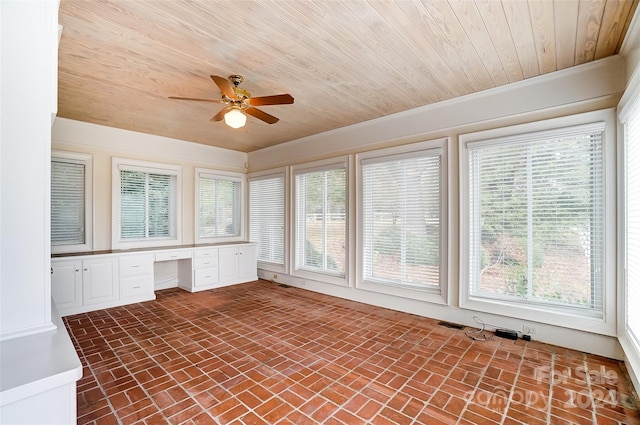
(228, 264)
(66, 283)
(99, 280)
(247, 263)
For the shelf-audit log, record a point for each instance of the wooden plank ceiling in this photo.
(344, 62)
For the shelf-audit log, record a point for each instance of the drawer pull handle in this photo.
(207, 276)
(137, 265)
(136, 287)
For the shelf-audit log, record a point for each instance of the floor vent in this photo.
(282, 285)
(450, 325)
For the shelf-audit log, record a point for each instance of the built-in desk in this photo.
(86, 281)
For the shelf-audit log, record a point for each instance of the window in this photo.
(536, 223)
(402, 229)
(267, 219)
(632, 221)
(71, 212)
(218, 197)
(321, 220)
(146, 204)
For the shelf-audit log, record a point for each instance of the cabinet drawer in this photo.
(203, 277)
(136, 286)
(136, 265)
(205, 263)
(173, 255)
(206, 253)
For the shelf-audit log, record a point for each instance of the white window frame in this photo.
(87, 160)
(220, 175)
(324, 165)
(439, 147)
(606, 324)
(269, 174)
(630, 100)
(147, 167)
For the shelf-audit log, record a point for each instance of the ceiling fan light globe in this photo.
(235, 118)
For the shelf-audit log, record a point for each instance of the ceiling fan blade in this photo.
(277, 99)
(269, 119)
(225, 86)
(220, 115)
(195, 99)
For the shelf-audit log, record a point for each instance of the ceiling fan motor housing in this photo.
(243, 95)
(236, 79)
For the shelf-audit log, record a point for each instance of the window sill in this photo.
(155, 243)
(321, 277)
(228, 239)
(555, 317)
(428, 294)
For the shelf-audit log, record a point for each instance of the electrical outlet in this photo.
(528, 329)
(275, 276)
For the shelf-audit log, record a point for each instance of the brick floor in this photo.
(263, 353)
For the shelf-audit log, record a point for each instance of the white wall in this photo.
(38, 364)
(104, 143)
(594, 86)
(26, 102)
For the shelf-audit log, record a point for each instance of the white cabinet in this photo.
(66, 283)
(222, 265)
(228, 270)
(100, 280)
(81, 283)
(136, 277)
(205, 268)
(77, 283)
(238, 264)
(93, 282)
(247, 263)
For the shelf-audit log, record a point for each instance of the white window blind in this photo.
(219, 206)
(401, 219)
(632, 213)
(321, 213)
(68, 200)
(537, 219)
(266, 217)
(147, 205)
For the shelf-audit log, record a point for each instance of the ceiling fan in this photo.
(239, 102)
